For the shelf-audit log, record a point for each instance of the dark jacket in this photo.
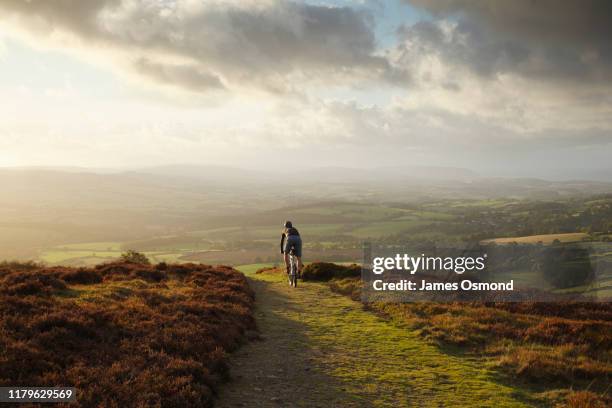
(288, 232)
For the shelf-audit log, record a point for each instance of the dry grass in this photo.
(583, 399)
(123, 334)
(546, 239)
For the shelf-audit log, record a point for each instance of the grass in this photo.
(123, 334)
(252, 268)
(384, 364)
(548, 346)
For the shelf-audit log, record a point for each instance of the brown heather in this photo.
(124, 334)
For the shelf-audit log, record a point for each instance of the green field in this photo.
(335, 231)
(92, 253)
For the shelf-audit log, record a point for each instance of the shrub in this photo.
(134, 257)
(566, 266)
(324, 271)
(82, 276)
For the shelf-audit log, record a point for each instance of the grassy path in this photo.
(320, 349)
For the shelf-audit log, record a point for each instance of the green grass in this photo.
(252, 268)
(381, 361)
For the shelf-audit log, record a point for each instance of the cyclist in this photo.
(291, 238)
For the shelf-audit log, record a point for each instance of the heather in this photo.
(124, 333)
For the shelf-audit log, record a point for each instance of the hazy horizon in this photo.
(518, 89)
(551, 174)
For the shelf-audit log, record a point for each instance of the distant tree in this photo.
(566, 266)
(135, 257)
(556, 242)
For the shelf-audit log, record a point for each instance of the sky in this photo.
(503, 88)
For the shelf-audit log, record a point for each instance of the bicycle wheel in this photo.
(292, 271)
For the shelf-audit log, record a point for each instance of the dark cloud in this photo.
(578, 22)
(567, 40)
(464, 45)
(261, 43)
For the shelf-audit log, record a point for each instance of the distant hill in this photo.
(208, 173)
(384, 175)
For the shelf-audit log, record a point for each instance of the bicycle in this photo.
(293, 268)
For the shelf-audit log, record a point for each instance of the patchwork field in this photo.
(335, 232)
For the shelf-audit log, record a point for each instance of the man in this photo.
(291, 238)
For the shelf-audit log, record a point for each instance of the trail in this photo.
(321, 349)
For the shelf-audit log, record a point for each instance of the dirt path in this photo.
(320, 349)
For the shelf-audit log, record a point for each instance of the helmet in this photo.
(288, 224)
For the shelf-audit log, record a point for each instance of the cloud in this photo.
(274, 45)
(461, 45)
(546, 39)
(472, 81)
(185, 76)
(577, 22)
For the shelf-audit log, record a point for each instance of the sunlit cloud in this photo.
(230, 81)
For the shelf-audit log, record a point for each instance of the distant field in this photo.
(171, 257)
(55, 256)
(334, 230)
(381, 229)
(93, 246)
(94, 253)
(546, 239)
